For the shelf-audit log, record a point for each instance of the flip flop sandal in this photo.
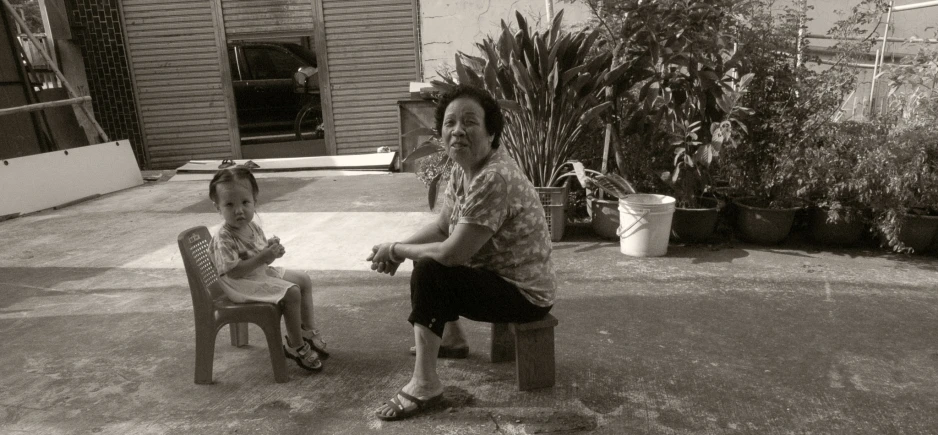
(251, 165)
(447, 352)
(226, 163)
(399, 413)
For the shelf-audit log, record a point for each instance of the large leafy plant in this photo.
(673, 85)
(557, 83)
(796, 102)
(903, 179)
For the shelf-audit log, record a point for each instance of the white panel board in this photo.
(41, 181)
(376, 161)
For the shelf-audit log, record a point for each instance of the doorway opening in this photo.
(275, 82)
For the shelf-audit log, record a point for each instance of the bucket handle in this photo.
(620, 231)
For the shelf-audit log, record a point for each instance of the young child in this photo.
(242, 255)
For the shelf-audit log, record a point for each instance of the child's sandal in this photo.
(315, 341)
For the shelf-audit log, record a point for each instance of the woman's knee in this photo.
(426, 269)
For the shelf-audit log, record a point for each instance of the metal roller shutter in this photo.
(267, 17)
(174, 53)
(371, 49)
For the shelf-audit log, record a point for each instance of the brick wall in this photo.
(96, 28)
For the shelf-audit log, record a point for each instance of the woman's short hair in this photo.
(494, 120)
(228, 175)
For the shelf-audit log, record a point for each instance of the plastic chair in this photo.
(213, 310)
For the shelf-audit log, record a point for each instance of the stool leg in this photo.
(503, 343)
(535, 358)
(239, 334)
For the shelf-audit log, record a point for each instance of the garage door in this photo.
(372, 56)
(267, 17)
(175, 58)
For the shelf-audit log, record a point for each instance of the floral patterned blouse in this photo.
(503, 200)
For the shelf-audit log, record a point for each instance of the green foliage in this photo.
(557, 84)
(673, 86)
(827, 169)
(913, 87)
(794, 103)
(611, 184)
(30, 12)
(902, 177)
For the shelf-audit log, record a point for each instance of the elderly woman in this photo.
(487, 256)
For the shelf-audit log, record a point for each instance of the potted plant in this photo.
(674, 81)
(903, 193)
(695, 215)
(602, 197)
(558, 83)
(828, 177)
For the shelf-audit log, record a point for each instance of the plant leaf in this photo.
(426, 149)
(580, 172)
(420, 131)
(432, 189)
(614, 184)
(594, 112)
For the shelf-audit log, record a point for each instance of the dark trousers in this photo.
(440, 294)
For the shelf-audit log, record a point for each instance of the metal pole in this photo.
(801, 17)
(55, 68)
(550, 9)
(879, 56)
(40, 106)
(915, 6)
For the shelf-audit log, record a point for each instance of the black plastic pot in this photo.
(695, 224)
(604, 217)
(846, 230)
(763, 225)
(918, 231)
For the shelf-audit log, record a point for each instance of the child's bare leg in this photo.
(305, 284)
(291, 316)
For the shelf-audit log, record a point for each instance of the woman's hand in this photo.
(380, 258)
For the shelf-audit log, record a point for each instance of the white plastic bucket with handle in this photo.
(645, 224)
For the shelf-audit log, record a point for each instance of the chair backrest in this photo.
(203, 278)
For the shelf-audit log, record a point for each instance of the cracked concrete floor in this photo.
(96, 329)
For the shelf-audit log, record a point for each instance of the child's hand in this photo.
(272, 252)
(273, 240)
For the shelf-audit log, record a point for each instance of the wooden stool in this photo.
(531, 345)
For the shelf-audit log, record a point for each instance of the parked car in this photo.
(262, 75)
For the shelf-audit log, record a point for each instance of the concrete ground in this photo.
(96, 329)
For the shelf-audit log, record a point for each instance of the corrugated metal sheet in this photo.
(253, 17)
(175, 59)
(372, 55)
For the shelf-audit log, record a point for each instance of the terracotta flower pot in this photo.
(695, 224)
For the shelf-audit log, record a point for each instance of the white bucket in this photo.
(645, 224)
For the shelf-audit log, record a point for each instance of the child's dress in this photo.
(264, 284)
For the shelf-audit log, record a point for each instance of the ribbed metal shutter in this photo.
(267, 17)
(177, 74)
(372, 56)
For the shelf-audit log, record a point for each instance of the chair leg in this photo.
(239, 334)
(275, 347)
(503, 343)
(535, 365)
(204, 353)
